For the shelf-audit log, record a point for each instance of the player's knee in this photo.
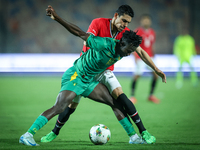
(57, 109)
(73, 105)
(116, 92)
(61, 105)
(137, 77)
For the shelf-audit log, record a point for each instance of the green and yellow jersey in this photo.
(100, 56)
(184, 47)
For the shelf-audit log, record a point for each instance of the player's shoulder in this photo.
(96, 37)
(189, 36)
(101, 20)
(152, 30)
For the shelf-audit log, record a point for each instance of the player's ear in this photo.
(115, 15)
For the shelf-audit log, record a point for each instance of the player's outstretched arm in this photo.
(75, 30)
(147, 59)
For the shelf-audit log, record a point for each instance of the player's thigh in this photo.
(109, 79)
(101, 94)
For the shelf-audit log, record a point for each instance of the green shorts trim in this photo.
(71, 81)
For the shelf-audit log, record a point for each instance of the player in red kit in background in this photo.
(148, 39)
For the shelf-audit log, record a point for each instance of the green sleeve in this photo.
(97, 43)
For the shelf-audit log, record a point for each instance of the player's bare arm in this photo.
(75, 30)
(147, 59)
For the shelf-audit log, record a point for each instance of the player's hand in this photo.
(161, 74)
(51, 12)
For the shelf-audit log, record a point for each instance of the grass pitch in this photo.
(174, 122)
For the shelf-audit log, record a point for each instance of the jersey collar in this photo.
(111, 30)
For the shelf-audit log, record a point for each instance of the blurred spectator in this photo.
(184, 49)
(32, 30)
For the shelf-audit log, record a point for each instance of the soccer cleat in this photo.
(153, 99)
(27, 139)
(49, 137)
(133, 100)
(148, 138)
(135, 139)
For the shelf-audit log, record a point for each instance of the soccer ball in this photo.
(99, 134)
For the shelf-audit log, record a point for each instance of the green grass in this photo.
(174, 122)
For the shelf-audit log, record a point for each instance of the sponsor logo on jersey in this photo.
(110, 77)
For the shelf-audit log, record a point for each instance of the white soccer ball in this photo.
(99, 134)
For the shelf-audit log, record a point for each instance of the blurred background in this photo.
(25, 28)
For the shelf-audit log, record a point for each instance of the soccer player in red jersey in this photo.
(148, 39)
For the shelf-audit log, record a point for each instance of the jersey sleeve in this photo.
(94, 27)
(97, 43)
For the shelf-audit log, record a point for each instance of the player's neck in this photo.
(146, 28)
(114, 32)
(113, 28)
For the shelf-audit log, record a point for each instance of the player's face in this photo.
(121, 22)
(146, 22)
(126, 48)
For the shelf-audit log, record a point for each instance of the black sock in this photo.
(131, 110)
(133, 87)
(153, 84)
(62, 118)
(136, 119)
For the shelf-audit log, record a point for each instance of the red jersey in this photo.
(148, 39)
(102, 27)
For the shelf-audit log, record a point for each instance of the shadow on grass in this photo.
(80, 144)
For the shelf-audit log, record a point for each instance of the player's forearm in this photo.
(147, 59)
(75, 30)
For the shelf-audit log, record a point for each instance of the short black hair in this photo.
(132, 37)
(125, 9)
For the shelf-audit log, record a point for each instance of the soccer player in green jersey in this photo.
(113, 28)
(79, 79)
(184, 49)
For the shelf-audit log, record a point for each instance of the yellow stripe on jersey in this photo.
(74, 76)
(110, 62)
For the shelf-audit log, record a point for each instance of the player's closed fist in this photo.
(51, 12)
